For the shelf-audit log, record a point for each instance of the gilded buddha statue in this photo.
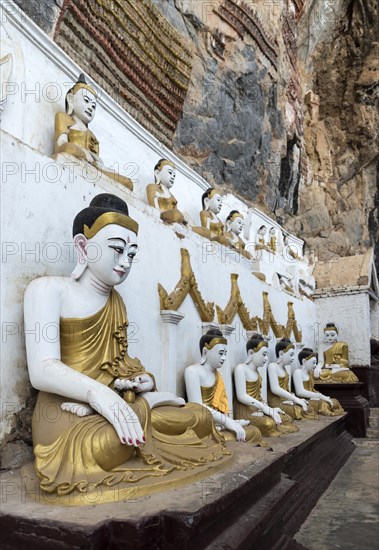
(303, 381)
(111, 428)
(72, 135)
(333, 363)
(212, 227)
(204, 385)
(159, 194)
(279, 393)
(260, 239)
(233, 229)
(248, 403)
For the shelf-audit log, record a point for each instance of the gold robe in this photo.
(215, 397)
(80, 141)
(337, 354)
(265, 423)
(167, 205)
(216, 228)
(322, 407)
(294, 411)
(81, 454)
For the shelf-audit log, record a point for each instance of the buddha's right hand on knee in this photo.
(118, 413)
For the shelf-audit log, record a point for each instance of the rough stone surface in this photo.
(346, 515)
(15, 455)
(44, 12)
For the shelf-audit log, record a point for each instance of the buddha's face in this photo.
(216, 356)
(214, 204)
(330, 336)
(311, 364)
(260, 357)
(237, 225)
(83, 105)
(110, 254)
(263, 231)
(288, 357)
(272, 232)
(166, 176)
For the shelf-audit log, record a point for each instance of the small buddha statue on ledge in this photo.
(233, 229)
(72, 135)
(333, 363)
(303, 381)
(291, 250)
(113, 430)
(212, 227)
(248, 403)
(273, 241)
(159, 194)
(205, 385)
(279, 394)
(260, 239)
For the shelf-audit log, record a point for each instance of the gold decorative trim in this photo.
(269, 320)
(214, 343)
(109, 218)
(234, 306)
(292, 325)
(262, 344)
(186, 285)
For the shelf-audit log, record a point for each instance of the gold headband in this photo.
(310, 356)
(235, 215)
(216, 341)
(109, 218)
(79, 85)
(214, 192)
(262, 344)
(166, 163)
(331, 327)
(290, 346)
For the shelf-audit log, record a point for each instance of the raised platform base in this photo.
(259, 501)
(351, 397)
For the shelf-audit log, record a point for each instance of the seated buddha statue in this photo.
(205, 385)
(72, 135)
(303, 381)
(333, 363)
(212, 227)
(290, 250)
(233, 229)
(159, 194)
(110, 427)
(260, 239)
(279, 393)
(248, 403)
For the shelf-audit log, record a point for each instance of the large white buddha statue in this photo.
(303, 382)
(72, 135)
(110, 426)
(249, 403)
(279, 394)
(204, 385)
(333, 363)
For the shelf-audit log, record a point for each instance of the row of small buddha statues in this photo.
(114, 429)
(73, 137)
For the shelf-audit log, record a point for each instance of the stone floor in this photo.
(347, 515)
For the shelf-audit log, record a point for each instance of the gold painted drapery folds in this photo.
(266, 424)
(322, 407)
(337, 354)
(294, 411)
(81, 454)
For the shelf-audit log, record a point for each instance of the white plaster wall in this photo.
(40, 197)
(351, 313)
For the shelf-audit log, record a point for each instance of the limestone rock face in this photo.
(342, 140)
